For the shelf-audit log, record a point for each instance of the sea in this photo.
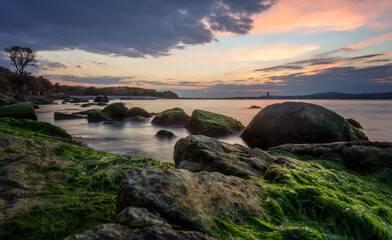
(138, 138)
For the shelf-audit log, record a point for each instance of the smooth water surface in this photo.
(127, 137)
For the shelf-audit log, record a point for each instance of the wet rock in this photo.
(165, 134)
(212, 124)
(88, 104)
(103, 232)
(116, 111)
(191, 200)
(23, 110)
(200, 153)
(175, 116)
(254, 106)
(297, 122)
(135, 111)
(134, 217)
(103, 99)
(66, 116)
(138, 118)
(96, 115)
(354, 123)
(360, 156)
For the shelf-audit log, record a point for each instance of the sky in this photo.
(207, 48)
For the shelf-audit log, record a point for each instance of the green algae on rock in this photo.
(212, 124)
(21, 110)
(66, 116)
(298, 122)
(96, 115)
(116, 110)
(137, 111)
(175, 116)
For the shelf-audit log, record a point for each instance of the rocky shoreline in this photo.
(339, 188)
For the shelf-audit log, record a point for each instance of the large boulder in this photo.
(298, 122)
(200, 153)
(135, 111)
(192, 200)
(361, 156)
(212, 124)
(96, 115)
(119, 232)
(101, 99)
(175, 116)
(24, 110)
(116, 110)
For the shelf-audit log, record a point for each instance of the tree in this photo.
(21, 57)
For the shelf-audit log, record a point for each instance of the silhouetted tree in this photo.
(21, 57)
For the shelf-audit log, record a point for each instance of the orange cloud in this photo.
(320, 16)
(373, 41)
(258, 90)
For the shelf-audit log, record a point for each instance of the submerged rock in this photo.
(212, 124)
(201, 153)
(116, 111)
(165, 134)
(297, 122)
(175, 116)
(135, 111)
(254, 106)
(134, 217)
(191, 200)
(66, 116)
(22, 110)
(103, 99)
(361, 156)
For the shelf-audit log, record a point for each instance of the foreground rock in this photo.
(361, 156)
(175, 116)
(165, 134)
(200, 153)
(116, 111)
(66, 116)
(297, 122)
(191, 200)
(26, 172)
(212, 124)
(22, 110)
(119, 232)
(135, 111)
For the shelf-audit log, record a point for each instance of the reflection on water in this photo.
(127, 137)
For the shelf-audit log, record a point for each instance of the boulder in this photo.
(66, 116)
(24, 110)
(134, 217)
(212, 124)
(298, 122)
(96, 115)
(360, 156)
(138, 118)
(165, 134)
(116, 110)
(119, 232)
(135, 111)
(200, 153)
(191, 200)
(103, 99)
(175, 116)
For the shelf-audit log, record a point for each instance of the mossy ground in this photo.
(318, 200)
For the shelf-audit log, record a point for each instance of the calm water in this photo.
(137, 138)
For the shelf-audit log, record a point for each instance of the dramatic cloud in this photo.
(104, 80)
(122, 27)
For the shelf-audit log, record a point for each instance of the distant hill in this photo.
(12, 84)
(337, 95)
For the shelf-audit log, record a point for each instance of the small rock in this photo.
(66, 116)
(134, 217)
(138, 118)
(165, 134)
(254, 106)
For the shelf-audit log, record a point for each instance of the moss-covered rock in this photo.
(116, 110)
(355, 123)
(175, 116)
(96, 115)
(133, 217)
(24, 110)
(165, 134)
(66, 116)
(135, 111)
(298, 122)
(191, 200)
(138, 118)
(212, 124)
(200, 153)
(88, 104)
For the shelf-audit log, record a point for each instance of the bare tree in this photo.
(21, 57)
